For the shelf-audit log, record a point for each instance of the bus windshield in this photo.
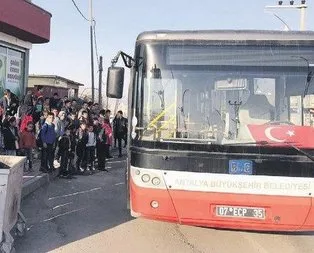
(223, 94)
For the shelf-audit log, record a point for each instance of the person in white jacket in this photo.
(91, 147)
(59, 123)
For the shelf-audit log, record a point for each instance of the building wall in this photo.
(21, 24)
(46, 81)
(48, 91)
(52, 85)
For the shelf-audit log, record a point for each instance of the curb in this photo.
(36, 182)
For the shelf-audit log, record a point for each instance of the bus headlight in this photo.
(154, 204)
(156, 181)
(145, 178)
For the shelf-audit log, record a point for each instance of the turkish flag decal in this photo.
(283, 135)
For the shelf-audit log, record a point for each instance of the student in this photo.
(84, 108)
(11, 137)
(38, 109)
(121, 130)
(64, 152)
(27, 144)
(40, 92)
(67, 107)
(48, 137)
(28, 101)
(42, 120)
(10, 103)
(84, 117)
(55, 102)
(73, 120)
(59, 123)
(101, 149)
(90, 148)
(81, 141)
(46, 104)
(72, 167)
(108, 132)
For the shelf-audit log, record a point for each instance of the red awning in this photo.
(25, 21)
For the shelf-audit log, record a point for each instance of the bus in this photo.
(221, 128)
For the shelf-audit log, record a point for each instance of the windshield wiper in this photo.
(311, 157)
(308, 82)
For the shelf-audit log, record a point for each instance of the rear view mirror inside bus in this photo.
(115, 79)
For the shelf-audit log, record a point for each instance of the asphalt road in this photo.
(88, 214)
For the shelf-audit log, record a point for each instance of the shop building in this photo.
(22, 24)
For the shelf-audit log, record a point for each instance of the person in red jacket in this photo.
(28, 143)
(108, 132)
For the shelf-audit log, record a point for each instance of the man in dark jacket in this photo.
(10, 137)
(81, 141)
(64, 151)
(56, 102)
(10, 103)
(48, 137)
(121, 124)
(29, 102)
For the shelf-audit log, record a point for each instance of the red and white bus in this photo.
(221, 128)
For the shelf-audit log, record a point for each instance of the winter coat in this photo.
(59, 127)
(10, 136)
(27, 140)
(11, 104)
(55, 103)
(120, 127)
(64, 144)
(48, 134)
(108, 132)
(81, 140)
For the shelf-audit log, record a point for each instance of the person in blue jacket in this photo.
(48, 137)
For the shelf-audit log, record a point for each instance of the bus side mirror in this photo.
(115, 80)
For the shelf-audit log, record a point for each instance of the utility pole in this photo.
(301, 7)
(92, 47)
(100, 81)
(302, 16)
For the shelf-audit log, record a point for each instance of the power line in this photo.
(95, 41)
(78, 9)
(94, 29)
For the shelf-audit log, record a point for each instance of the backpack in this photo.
(39, 141)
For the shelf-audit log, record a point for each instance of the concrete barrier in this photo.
(11, 181)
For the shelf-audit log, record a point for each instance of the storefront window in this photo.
(11, 70)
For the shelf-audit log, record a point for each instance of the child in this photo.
(72, 167)
(101, 147)
(64, 152)
(11, 137)
(28, 143)
(48, 137)
(81, 140)
(90, 148)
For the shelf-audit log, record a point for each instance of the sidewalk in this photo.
(34, 180)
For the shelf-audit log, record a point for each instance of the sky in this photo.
(119, 22)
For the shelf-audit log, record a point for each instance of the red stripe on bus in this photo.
(283, 213)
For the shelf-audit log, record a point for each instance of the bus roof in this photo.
(227, 35)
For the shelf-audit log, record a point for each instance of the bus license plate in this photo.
(240, 212)
(241, 167)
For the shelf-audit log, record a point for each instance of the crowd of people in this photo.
(77, 135)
